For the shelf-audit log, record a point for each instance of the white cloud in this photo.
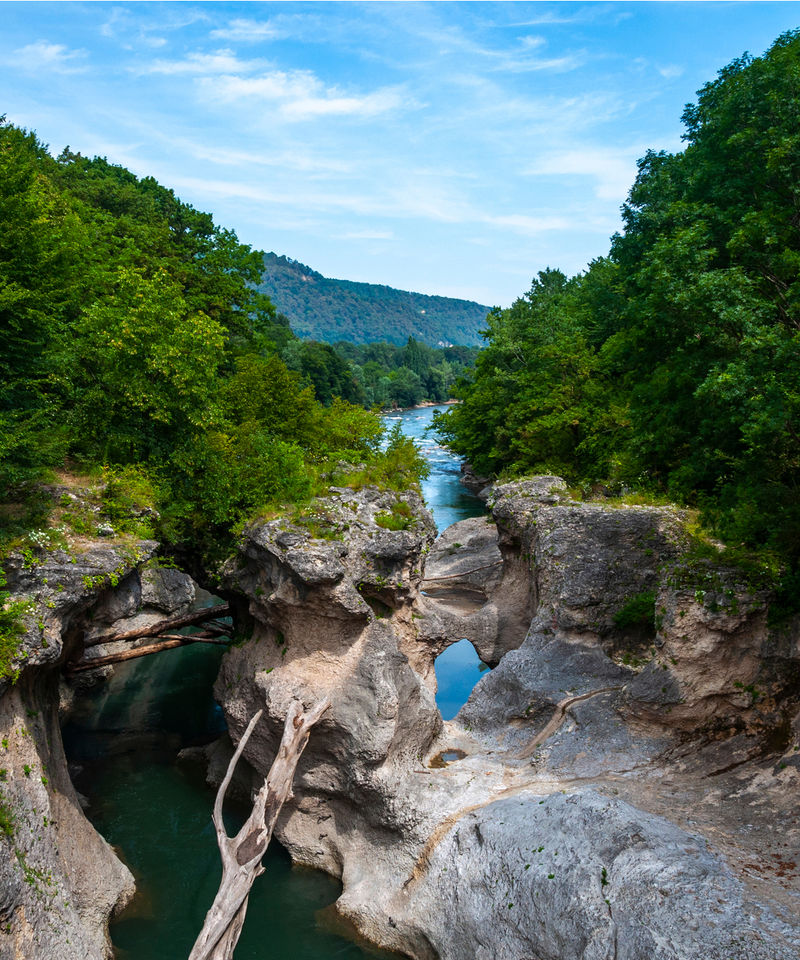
(154, 42)
(221, 62)
(613, 169)
(301, 95)
(367, 235)
(54, 57)
(248, 31)
(528, 226)
(671, 71)
(286, 159)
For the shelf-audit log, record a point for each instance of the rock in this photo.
(60, 588)
(62, 881)
(571, 877)
(167, 590)
(572, 822)
(711, 615)
(480, 486)
(105, 530)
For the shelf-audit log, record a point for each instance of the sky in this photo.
(448, 148)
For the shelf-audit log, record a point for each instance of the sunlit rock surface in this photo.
(616, 796)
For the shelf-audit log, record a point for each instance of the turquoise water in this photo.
(123, 742)
(447, 498)
(459, 668)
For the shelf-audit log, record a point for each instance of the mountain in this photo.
(329, 310)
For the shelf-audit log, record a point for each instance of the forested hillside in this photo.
(319, 308)
(674, 363)
(134, 345)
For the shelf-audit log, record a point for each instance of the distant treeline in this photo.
(379, 374)
(674, 363)
(321, 308)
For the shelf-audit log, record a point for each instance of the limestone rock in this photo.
(61, 880)
(573, 877)
(574, 820)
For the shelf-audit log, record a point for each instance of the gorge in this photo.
(613, 787)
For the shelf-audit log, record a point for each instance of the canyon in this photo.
(617, 785)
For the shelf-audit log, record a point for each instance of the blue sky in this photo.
(451, 148)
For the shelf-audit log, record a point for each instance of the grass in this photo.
(12, 629)
(400, 518)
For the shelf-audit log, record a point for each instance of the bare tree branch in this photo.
(241, 855)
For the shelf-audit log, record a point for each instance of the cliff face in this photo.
(622, 784)
(59, 880)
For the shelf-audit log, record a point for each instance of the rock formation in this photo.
(59, 879)
(622, 784)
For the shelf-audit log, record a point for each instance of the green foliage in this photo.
(12, 629)
(331, 310)
(8, 823)
(400, 518)
(674, 364)
(539, 401)
(638, 613)
(399, 467)
(133, 339)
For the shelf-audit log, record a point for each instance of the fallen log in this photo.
(167, 642)
(171, 623)
(241, 855)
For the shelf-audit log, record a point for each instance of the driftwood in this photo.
(241, 855)
(166, 642)
(171, 623)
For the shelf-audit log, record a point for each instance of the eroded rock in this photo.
(549, 833)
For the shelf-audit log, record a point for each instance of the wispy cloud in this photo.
(243, 30)
(587, 14)
(301, 95)
(200, 64)
(52, 57)
(526, 225)
(523, 56)
(287, 159)
(613, 169)
(367, 235)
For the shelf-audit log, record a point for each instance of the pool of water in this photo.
(458, 669)
(123, 741)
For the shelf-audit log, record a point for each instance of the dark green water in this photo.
(156, 811)
(126, 734)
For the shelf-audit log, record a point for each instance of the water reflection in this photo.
(458, 669)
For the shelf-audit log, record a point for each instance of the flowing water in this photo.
(459, 668)
(123, 743)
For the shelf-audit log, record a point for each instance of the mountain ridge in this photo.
(360, 312)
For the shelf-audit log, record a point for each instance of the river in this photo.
(123, 743)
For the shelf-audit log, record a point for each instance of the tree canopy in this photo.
(674, 362)
(132, 336)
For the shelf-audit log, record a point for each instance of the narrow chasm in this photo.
(135, 746)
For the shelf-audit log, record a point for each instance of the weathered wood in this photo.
(170, 623)
(167, 642)
(241, 855)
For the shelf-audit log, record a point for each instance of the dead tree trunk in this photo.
(241, 855)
